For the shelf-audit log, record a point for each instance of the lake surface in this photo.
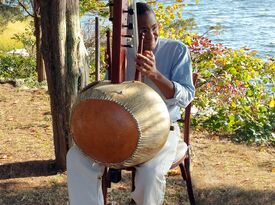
(245, 23)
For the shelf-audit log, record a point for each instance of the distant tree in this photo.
(40, 67)
(32, 8)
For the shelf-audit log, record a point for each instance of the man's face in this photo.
(147, 24)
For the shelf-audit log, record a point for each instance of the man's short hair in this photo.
(142, 8)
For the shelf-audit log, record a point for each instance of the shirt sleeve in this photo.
(181, 77)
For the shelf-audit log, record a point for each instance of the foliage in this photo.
(236, 89)
(233, 97)
(12, 66)
(171, 22)
(94, 6)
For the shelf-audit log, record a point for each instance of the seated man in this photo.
(166, 67)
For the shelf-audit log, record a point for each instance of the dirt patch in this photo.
(222, 172)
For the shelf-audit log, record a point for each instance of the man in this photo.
(166, 67)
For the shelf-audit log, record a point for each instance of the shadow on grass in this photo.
(54, 194)
(176, 193)
(27, 169)
(234, 196)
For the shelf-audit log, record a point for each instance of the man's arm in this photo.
(181, 76)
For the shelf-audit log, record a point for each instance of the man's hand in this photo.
(146, 64)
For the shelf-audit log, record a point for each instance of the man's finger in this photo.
(149, 55)
(146, 66)
(143, 59)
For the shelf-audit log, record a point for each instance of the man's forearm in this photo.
(165, 85)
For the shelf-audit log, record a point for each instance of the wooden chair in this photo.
(182, 160)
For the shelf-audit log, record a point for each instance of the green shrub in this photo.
(233, 97)
(12, 66)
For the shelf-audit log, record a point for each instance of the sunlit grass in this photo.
(6, 41)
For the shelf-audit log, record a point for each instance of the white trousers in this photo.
(84, 176)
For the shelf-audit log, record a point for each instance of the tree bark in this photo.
(65, 77)
(76, 73)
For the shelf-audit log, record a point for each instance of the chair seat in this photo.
(181, 152)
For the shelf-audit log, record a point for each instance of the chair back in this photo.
(187, 115)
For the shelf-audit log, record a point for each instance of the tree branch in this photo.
(24, 7)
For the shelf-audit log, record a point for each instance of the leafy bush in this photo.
(12, 66)
(235, 95)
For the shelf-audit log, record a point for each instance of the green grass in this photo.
(6, 43)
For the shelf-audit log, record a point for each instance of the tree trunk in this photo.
(76, 73)
(60, 46)
(40, 68)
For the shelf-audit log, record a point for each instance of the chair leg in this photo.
(105, 185)
(133, 185)
(185, 172)
(133, 180)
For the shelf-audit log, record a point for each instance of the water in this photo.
(245, 23)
